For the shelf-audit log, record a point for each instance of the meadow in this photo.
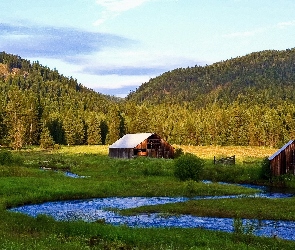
(23, 182)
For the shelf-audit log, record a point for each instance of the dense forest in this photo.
(257, 78)
(248, 100)
(40, 106)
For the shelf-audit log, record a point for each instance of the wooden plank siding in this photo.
(283, 161)
(121, 153)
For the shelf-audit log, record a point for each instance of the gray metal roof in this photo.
(130, 140)
(280, 150)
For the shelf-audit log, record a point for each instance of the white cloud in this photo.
(243, 34)
(113, 8)
(140, 61)
(283, 25)
(120, 5)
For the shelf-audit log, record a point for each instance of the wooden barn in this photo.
(283, 161)
(142, 144)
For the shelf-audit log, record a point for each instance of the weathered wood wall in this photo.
(283, 161)
(154, 146)
(121, 153)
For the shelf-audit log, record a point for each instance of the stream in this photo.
(103, 209)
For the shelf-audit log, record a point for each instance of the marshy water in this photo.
(104, 209)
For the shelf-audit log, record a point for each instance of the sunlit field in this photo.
(242, 153)
(86, 149)
(23, 182)
(201, 151)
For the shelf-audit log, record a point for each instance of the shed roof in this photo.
(130, 140)
(280, 150)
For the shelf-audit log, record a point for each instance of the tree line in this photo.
(235, 124)
(243, 101)
(38, 104)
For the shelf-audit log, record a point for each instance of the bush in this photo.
(178, 152)
(5, 157)
(46, 140)
(265, 169)
(191, 189)
(189, 167)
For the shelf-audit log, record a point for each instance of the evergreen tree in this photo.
(113, 124)
(74, 128)
(15, 118)
(46, 140)
(93, 129)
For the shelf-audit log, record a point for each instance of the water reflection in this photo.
(104, 209)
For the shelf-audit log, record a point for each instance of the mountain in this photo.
(35, 100)
(257, 78)
(247, 101)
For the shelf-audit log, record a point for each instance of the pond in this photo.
(103, 209)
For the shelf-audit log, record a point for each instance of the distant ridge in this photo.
(245, 101)
(260, 77)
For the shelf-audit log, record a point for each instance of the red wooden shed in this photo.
(283, 161)
(141, 144)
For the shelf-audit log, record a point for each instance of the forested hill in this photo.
(257, 78)
(248, 100)
(40, 106)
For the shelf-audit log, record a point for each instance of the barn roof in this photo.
(280, 150)
(130, 140)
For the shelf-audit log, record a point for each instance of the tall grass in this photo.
(250, 208)
(24, 182)
(43, 232)
(242, 153)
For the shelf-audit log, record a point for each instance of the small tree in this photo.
(46, 140)
(188, 167)
(5, 157)
(178, 152)
(265, 169)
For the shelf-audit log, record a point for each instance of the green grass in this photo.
(248, 208)
(45, 233)
(22, 182)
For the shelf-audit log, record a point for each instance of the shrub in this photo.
(188, 167)
(46, 140)
(178, 152)
(190, 188)
(5, 157)
(265, 169)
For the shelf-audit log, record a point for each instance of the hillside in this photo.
(39, 104)
(247, 101)
(258, 78)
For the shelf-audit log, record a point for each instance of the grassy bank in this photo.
(248, 208)
(22, 182)
(44, 233)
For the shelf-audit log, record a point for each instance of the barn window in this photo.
(153, 143)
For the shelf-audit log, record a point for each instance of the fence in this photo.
(231, 160)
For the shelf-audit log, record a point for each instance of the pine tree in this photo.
(46, 140)
(93, 129)
(15, 118)
(73, 126)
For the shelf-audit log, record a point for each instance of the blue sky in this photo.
(113, 46)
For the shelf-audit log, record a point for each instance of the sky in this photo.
(113, 46)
